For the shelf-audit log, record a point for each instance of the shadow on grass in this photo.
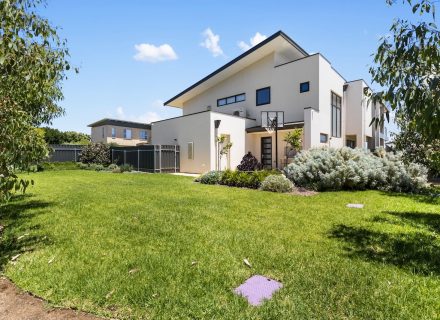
(19, 211)
(416, 251)
(430, 196)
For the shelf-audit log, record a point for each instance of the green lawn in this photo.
(85, 231)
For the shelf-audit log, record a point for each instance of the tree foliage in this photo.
(415, 148)
(20, 145)
(294, 138)
(407, 66)
(97, 153)
(33, 62)
(55, 136)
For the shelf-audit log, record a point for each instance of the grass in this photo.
(122, 245)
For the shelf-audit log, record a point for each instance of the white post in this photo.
(175, 158)
(160, 158)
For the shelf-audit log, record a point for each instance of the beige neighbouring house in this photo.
(120, 132)
(275, 75)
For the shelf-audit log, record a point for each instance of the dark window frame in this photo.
(301, 90)
(336, 111)
(235, 100)
(256, 96)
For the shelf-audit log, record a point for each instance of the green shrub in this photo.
(211, 177)
(83, 166)
(96, 167)
(126, 167)
(97, 153)
(112, 166)
(242, 179)
(354, 169)
(117, 170)
(277, 183)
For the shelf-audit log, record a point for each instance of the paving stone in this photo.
(258, 288)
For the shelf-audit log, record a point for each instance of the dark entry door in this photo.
(266, 152)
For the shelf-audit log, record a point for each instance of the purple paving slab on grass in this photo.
(258, 288)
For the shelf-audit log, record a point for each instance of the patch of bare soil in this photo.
(18, 305)
(303, 192)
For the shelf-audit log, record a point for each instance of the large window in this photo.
(127, 133)
(263, 96)
(143, 135)
(336, 115)
(230, 100)
(113, 132)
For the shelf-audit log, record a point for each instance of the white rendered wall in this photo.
(195, 128)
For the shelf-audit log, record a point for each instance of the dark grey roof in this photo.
(120, 123)
(261, 44)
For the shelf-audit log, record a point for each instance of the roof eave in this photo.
(230, 63)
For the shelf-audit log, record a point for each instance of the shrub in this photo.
(117, 170)
(83, 166)
(277, 183)
(97, 153)
(211, 177)
(56, 166)
(354, 169)
(112, 166)
(97, 167)
(249, 163)
(252, 179)
(125, 167)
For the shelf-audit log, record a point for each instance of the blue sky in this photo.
(133, 55)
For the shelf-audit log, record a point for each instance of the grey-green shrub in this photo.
(112, 167)
(211, 177)
(354, 169)
(277, 183)
(125, 167)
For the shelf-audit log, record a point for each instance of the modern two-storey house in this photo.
(275, 75)
(120, 132)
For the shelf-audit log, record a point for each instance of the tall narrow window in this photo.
(103, 132)
(191, 150)
(336, 103)
(113, 132)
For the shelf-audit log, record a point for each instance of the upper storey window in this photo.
(230, 100)
(263, 96)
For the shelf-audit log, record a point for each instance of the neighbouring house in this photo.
(120, 132)
(275, 75)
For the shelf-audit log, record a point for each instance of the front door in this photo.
(266, 152)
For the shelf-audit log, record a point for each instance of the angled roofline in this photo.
(120, 123)
(243, 55)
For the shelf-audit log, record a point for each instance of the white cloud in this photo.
(151, 53)
(211, 42)
(155, 112)
(253, 41)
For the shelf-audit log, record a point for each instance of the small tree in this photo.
(294, 139)
(224, 147)
(33, 62)
(97, 153)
